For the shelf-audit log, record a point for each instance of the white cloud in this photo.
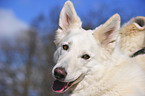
(9, 24)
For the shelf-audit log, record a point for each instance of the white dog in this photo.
(132, 39)
(88, 61)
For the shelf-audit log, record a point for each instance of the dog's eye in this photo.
(86, 56)
(65, 47)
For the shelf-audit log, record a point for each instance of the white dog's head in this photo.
(132, 36)
(79, 50)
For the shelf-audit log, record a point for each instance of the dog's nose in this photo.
(60, 73)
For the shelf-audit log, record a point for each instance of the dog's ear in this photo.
(132, 26)
(108, 32)
(68, 19)
(140, 22)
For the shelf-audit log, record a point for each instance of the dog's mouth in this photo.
(59, 86)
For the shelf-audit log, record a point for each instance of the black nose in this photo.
(60, 73)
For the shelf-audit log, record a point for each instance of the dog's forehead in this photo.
(82, 40)
(80, 36)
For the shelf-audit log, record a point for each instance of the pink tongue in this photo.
(59, 86)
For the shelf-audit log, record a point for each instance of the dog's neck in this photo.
(139, 52)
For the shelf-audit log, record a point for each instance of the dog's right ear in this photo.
(140, 22)
(68, 19)
(134, 25)
(107, 33)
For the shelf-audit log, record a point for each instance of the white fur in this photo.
(132, 39)
(107, 72)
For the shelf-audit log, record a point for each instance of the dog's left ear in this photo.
(108, 32)
(68, 19)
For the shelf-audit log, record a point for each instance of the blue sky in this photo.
(27, 10)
